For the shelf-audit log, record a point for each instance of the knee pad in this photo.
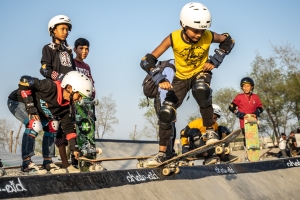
(53, 126)
(33, 127)
(49, 134)
(202, 93)
(195, 135)
(167, 112)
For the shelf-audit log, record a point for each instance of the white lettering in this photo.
(221, 170)
(12, 187)
(138, 177)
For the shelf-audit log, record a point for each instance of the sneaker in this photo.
(211, 136)
(54, 169)
(33, 169)
(71, 169)
(159, 158)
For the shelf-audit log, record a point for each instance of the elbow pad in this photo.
(148, 62)
(232, 107)
(228, 44)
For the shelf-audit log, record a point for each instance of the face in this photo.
(194, 34)
(284, 137)
(247, 88)
(215, 118)
(77, 97)
(61, 31)
(82, 51)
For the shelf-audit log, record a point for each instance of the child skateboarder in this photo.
(194, 135)
(42, 105)
(193, 70)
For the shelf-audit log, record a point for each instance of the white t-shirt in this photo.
(282, 144)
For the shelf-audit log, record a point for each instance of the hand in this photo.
(240, 114)
(185, 149)
(76, 154)
(204, 154)
(165, 85)
(208, 66)
(35, 117)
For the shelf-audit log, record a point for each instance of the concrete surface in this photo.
(278, 184)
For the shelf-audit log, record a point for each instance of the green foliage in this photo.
(223, 97)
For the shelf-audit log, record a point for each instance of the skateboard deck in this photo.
(252, 137)
(172, 164)
(99, 167)
(85, 129)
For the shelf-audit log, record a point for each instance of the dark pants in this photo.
(177, 95)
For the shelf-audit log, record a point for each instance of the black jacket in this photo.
(48, 99)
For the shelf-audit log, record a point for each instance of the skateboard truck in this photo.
(85, 101)
(87, 150)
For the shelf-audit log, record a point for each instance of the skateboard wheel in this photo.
(92, 168)
(219, 150)
(2, 172)
(191, 163)
(96, 102)
(177, 170)
(99, 151)
(139, 165)
(166, 171)
(227, 150)
(98, 167)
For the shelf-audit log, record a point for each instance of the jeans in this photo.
(28, 143)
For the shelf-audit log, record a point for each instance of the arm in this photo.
(148, 63)
(47, 68)
(46, 61)
(225, 47)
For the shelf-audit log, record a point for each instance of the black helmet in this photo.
(247, 80)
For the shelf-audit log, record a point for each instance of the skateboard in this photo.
(172, 164)
(85, 129)
(96, 163)
(252, 137)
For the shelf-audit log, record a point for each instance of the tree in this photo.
(151, 129)
(7, 139)
(105, 114)
(271, 87)
(223, 97)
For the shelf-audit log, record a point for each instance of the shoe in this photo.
(71, 169)
(54, 169)
(211, 161)
(159, 158)
(211, 136)
(33, 169)
(228, 158)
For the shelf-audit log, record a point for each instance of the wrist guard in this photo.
(28, 101)
(148, 62)
(157, 76)
(217, 58)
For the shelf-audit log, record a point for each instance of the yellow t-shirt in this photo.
(198, 123)
(190, 58)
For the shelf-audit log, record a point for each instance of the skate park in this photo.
(122, 180)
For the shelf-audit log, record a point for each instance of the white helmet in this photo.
(59, 19)
(195, 15)
(79, 82)
(217, 110)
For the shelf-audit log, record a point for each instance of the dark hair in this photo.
(81, 42)
(283, 134)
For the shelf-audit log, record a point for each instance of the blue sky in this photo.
(122, 32)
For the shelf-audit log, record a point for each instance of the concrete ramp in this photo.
(276, 179)
(125, 148)
(279, 184)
